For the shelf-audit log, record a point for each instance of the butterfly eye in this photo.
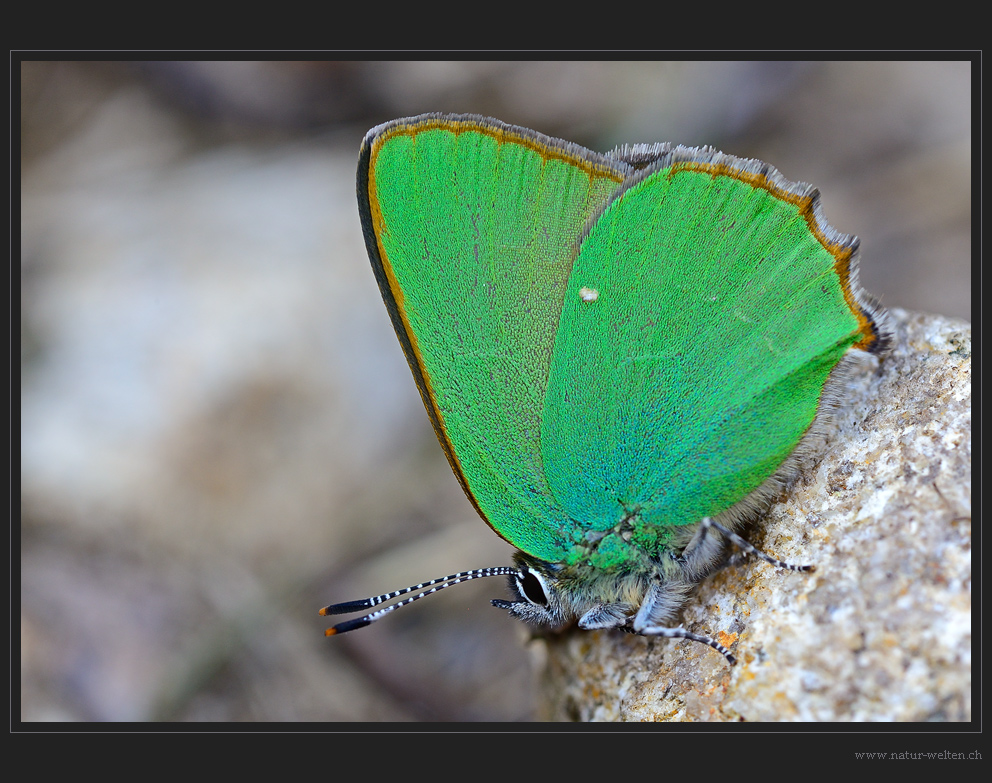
(532, 587)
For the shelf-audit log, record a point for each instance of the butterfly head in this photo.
(540, 598)
(554, 596)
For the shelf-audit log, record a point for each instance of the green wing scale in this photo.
(608, 348)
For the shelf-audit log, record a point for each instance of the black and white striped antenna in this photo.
(424, 588)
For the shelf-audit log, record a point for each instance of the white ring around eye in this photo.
(540, 580)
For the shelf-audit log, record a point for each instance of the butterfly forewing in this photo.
(472, 227)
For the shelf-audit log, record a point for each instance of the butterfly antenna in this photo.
(424, 588)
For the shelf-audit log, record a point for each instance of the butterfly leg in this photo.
(681, 633)
(605, 616)
(661, 603)
(747, 548)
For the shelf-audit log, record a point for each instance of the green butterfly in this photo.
(624, 356)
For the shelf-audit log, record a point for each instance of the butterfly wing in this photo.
(722, 304)
(472, 227)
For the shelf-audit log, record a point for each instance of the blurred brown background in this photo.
(219, 432)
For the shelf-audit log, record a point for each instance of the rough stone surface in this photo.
(881, 631)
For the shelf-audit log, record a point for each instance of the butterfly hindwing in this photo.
(701, 362)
